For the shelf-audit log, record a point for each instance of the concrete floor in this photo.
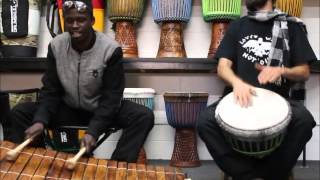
(209, 170)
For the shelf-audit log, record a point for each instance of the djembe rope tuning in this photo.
(171, 14)
(292, 7)
(220, 13)
(125, 14)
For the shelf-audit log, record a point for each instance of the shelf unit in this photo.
(131, 65)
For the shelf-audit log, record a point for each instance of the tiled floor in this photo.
(209, 170)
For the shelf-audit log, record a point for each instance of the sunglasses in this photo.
(79, 5)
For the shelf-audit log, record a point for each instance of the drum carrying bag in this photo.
(15, 18)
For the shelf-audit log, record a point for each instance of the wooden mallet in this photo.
(72, 162)
(13, 154)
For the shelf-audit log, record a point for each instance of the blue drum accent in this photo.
(171, 10)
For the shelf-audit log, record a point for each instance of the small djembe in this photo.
(20, 28)
(182, 110)
(220, 13)
(98, 13)
(145, 97)
(292, 7)
(125, 14)
(171, 14)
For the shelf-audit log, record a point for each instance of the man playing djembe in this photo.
(265, 49)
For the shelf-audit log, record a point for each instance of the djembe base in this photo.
(185, 152)
(218, 31)
(126, 37)
(171, 40)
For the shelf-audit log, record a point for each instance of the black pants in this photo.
(275, 166)
(135, 120)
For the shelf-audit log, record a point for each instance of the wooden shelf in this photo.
(131, 65)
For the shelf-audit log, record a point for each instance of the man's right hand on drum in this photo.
(243, 93)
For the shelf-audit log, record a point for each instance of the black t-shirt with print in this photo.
(248, 41)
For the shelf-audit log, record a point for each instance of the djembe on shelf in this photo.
(125, 14)
(292, 7)
(182, 110)
(171, 14)
(220, 13)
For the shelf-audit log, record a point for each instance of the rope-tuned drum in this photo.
(292, 7)
(220, 13)
(258, 129)
(171, 14)
(39, 163)
(125, 14)
(182, 110)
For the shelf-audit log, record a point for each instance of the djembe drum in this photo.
(20, 27)
(39, 163)
(182, 110)
(292, 7)
(171, 14)
(220, 13)
(258, 129)
(145, 97)
(125, 14)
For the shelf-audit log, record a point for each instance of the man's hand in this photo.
(269, 74)
(34, 130)
(243, 93)
(88, 142)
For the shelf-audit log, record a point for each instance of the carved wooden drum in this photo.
(125, 14)
(171, 14)
(182, 110)
(258, 129)
(39, 163)
(220, 13)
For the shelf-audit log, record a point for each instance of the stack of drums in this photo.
(292, 7)
(39, 163)
(145, 97)
(171, 14)
(220, 13)
(125, 14)
(182, 110)
(20, 27)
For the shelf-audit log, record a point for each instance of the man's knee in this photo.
(147, 117)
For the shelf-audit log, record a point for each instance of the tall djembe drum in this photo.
(220, 13)
(182, 110)
(171, 14)
(125, 14)
(20, 27)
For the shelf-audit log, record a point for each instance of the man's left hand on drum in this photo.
(89, 142)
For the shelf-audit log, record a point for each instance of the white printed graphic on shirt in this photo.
(256, 49)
